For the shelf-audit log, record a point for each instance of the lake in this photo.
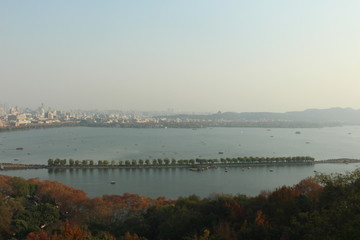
(127, 144)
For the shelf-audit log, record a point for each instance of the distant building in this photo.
(14, 110)
(2, 111)
(49, 115)
(12, 117)
(16, 117)
(41, 110)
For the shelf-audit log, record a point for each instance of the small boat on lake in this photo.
(221, 152)
(226, 169)
(198, 169)
(195, 169)
(112, 182)
(19, 148)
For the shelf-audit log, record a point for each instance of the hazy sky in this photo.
(198, 55)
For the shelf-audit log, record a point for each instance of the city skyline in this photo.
(201, 56)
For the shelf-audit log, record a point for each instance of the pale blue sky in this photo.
(187, 55)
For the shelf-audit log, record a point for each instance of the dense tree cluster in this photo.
(324, 207)
(52, 209)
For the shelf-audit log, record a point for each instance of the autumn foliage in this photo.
(325, 207)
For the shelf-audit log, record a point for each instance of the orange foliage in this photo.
(283, 194)
(310, 188)
(6, 213)
(260, 219)
(68, 232)
(8, 205)
(128, 236)
(225, 231)
(107, 208)
(236, 210)
(38, 236)
(70, 200)
(205, 236)
(5, 188)
(112, 207)
(71, 232)
(76, 206)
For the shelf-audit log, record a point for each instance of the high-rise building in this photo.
(2, 111)
(41, 110)
(14, 110)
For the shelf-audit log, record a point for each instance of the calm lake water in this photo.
(122, 144)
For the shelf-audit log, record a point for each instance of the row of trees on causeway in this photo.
(166, 162)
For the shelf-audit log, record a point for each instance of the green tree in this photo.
(50, 162)
(63, 162)
(57, 162)
(71, 162)
(33, 217)
(21, 188)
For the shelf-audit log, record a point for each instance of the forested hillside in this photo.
(324, 207)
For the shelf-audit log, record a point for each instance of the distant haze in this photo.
(204, 55)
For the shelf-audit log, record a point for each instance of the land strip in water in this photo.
(199, 165)
(15, 166)
(339, 160)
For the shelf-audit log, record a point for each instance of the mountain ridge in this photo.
(333, 115)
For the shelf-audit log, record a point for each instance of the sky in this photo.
(190, 56)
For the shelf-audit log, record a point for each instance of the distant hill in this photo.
(332, 115)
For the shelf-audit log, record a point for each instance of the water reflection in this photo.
(175, 182)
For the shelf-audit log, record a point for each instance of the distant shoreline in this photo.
(184, 125)
(339, 160)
